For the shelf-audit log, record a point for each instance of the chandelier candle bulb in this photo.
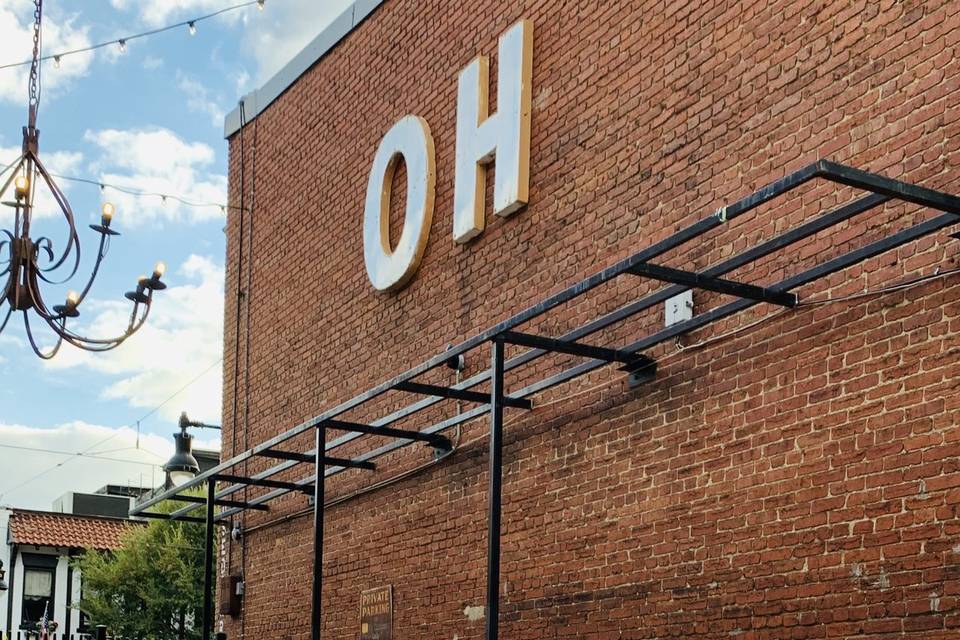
(107, 211)
(73, 299)
(22, 186)
(159, 270)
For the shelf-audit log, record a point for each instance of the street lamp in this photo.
(183, 467)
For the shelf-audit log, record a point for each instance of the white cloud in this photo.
(273, 35)
(151, 62)
(156, 13)
(158, 161)
(60, 33)
(57, 162)
(285, 28)
(121, 458)
(75, 473)
(182, 338)
(199, 98)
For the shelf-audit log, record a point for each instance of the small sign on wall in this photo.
(376, 613)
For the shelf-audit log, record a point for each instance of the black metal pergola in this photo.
(631, 358)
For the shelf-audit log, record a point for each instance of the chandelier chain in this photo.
(34, 102)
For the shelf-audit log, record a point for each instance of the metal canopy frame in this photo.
(630, 358)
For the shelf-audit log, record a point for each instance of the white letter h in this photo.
(505, 135)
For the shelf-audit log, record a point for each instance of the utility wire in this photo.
(110, 437)
(77, 453)
(122, 42)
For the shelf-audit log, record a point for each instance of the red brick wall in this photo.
(796, 480)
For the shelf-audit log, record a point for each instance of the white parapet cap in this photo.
(258, 100)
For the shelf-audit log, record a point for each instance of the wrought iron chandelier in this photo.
(27, 262)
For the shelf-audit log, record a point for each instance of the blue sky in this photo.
(150, 119)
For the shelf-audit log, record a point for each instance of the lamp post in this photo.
(183, 466)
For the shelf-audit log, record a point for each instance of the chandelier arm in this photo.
(73, 239)
(9, 261)
(33, 343)
(101, 254)
(96, 268)
(6, 318)
(58, 324)
(15, 165)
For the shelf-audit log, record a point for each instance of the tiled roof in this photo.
(43, 528)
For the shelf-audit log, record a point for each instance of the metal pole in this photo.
(208, 561)
(318, 497)
(494, 496)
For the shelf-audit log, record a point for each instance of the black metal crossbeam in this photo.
(711, 283)
(327, 460)
(166, 516)
(433, 439)
(286, 455)
(916, 194)
(349, 464)
(263, 482)
(571, 347)
(221, 503)
(459, 394)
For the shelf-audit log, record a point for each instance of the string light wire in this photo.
(137, 193)
(124, 41)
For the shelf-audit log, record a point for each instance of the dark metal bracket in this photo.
(459, 394)
(327, 460)
(694, 280)
(435, 440)
(221, 502)
(264, 482)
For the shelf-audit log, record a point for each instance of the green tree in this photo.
(147, 587)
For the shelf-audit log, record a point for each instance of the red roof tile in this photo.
(43, 528)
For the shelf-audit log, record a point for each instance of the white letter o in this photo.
(409, 139)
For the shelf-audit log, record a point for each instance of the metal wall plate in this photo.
(678, 309)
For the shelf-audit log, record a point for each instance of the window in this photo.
(37, 594)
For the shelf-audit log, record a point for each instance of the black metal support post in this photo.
(316, 618)
(494, 497)
(208, 561)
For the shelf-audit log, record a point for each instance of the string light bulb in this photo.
(260, 4)
(122, 44)
(56, 62)
(192, 27)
